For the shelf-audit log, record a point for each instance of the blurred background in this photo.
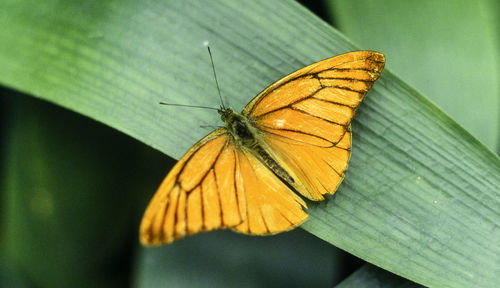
(73, 190)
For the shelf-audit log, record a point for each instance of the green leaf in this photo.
(421, 196)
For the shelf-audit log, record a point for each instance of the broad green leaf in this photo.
(422, 48)
(421, 196)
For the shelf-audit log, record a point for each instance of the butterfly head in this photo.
(226, 114)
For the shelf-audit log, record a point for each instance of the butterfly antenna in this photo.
(215, 76)
(185, 105)
(210, 126)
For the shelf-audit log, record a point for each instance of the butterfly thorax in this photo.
(246, 135)
(239, 127)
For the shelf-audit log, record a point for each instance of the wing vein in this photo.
(302, 142)
(317, 117)
(175, 213)
(202, 208)
(236, 184)
(192, 155)
(335, 170)
(333, 102)
(208, 170)
(286, 218)
(246, 202)
(351, 69)
(164, 214)
(345, 88)
(221, 213)
(300, 132)
(346, 79)
(289, 105)
(212, 166)
(264, 220)
(322, 185)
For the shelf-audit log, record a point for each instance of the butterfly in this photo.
(293, 138)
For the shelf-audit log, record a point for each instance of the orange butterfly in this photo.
(294, 137)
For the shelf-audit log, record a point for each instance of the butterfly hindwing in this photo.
(317, 170)
(271, 206)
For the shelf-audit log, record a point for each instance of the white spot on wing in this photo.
(280, 123)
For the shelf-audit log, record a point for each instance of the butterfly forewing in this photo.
(305, 117)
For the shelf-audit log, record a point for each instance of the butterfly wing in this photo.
(271, 206)
(193, 197)
(304, 118)
(215, 185)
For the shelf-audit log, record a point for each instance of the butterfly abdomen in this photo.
(273, 165)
